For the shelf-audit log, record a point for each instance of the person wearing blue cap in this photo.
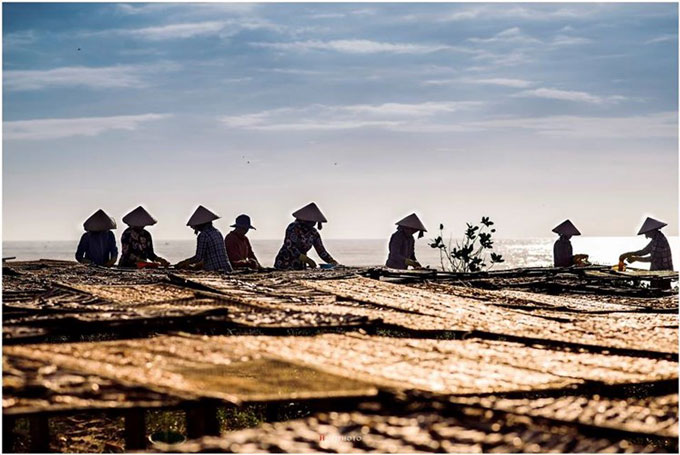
(240, 252)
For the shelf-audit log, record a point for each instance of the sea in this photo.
(529, 252)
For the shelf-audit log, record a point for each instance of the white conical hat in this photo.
(201, 216)
(566, 228)
(651, 224)
(412, 221)
(310, 212)
(99, 221)
(139, 218)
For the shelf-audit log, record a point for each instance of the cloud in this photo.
(506, 11)
(568, 95)
(322, 117)
(355, 46)
(510, 35)
(564, 40)
(19, 39)
(55, 128)
(662, 38)
(656, 125)
(185, 30)
(123, 76)
(503, 82)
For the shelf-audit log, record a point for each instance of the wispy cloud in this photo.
(662, 38)
(185, 30)
(511, 35)
(503, 82)
(566, 40)
(355, 46)
(322, 117)
(569, 95)
(123, 76)
(21, 38)
(656, 125)
(56, 128)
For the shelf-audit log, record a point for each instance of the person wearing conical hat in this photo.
(239, 251)
(301, 236)
(210, 251)
(98, 244)
(657, 252)
(563, 253)
(402, 244)
(136, 243)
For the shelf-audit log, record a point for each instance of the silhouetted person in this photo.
(239, 251)
(562, 250)
(657, 252)
(210, 251)
(136, 243)
(98, 244)
(301, 236)
(402, 244)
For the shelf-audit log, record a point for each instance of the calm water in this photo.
(517, 253)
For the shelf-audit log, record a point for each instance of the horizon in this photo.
(527, 113)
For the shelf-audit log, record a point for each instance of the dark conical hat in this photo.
(139, 217)
(412, 221)
(310, 212)
(566, 228)
(99, 222)
(201, 216)
(651, 224)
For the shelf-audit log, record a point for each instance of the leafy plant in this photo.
(470, 254)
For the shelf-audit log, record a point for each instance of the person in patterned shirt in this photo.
(136, 242)
(301, 236)
(657, 252)
(211, 253)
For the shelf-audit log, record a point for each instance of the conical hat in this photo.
(139, 218)
(310, 212)
(651, 224)
(566, 228)
(99, 221)
(412, 221)
(201, 216)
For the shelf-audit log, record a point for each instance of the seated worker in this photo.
(402, 244)
(301, 236)
(136, 243)
(239, 251)
(98, 244)
(563, 254)
(210, 251)
(657, 251)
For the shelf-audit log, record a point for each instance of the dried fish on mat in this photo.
(38, 386)
(196, 367)
(655, 415)
(464, 314)
(465, 430)
(200, 364)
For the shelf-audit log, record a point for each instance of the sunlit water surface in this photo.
(367, 252)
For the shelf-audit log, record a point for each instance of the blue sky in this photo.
(528, 113)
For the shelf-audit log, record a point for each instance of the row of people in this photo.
(98, 244)
(213, 252)
(657, 252)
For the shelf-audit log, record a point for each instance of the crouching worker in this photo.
(301, 236)
(98, 244)
(657, 252)
(563, 253)
(403, 245)
(239, 251)
(136, 243)
(210, 251)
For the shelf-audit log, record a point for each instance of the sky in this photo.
(527, 113)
